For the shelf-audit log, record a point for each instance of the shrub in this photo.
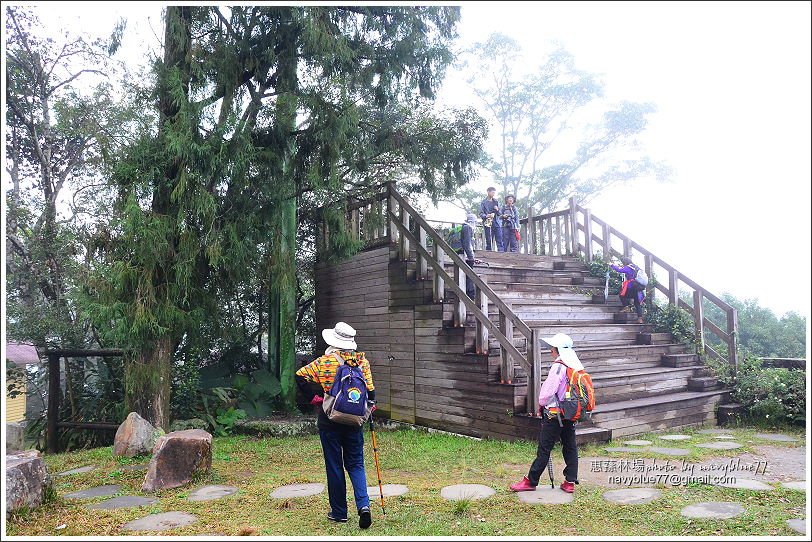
(672, 319)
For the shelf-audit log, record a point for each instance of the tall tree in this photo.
(546, 147)
(260, 109)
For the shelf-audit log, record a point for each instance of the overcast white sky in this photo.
(731, 81)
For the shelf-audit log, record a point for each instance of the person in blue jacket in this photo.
(510, 225)
(491, 220)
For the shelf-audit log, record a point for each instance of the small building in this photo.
(21, 355)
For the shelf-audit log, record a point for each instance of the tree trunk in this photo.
(147, 380)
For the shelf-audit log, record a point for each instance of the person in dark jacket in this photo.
(631, 291)
(510, 225)
(491, 219)
(343, 445)
(467, 238)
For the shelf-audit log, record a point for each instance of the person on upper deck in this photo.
(492, 220)
(510, 225)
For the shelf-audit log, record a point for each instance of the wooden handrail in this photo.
(565, 212)
(669, 289)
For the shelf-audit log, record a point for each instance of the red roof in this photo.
(21, 354)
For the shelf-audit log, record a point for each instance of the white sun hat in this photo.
(565, 350)
(341, 336)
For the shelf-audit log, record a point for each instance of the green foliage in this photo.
(15, 380)
(773, 395)
(667, 318)
(598, 268)
(257, 395)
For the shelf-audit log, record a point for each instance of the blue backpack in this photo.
(346, 402)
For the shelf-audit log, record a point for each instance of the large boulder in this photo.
(26, 480)
(135, 436)
(15, 436)
(176, 457)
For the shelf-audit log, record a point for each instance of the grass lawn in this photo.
(425, 462)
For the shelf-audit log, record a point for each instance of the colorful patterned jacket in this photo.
(322, 371)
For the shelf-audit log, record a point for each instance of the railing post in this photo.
(607, 243)
(524, 237)
(481, 330)
(673, 279)
(392, 205)
(574, 226)
(550, 236)
(568, 238)
(506, 327)
(588, 235)
(354, 226)
(699, 318)
(627, 248)
(649, 267)
(52, 440)
(733, 331)
(422, 265)
(534, 378)
(531, 222)
(459, 306)
(439, 283)
(403, 241)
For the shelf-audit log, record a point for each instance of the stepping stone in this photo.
(798, 525)
(800, 486)
(724, 445)
(637, 442)
(676, 437)
(623, 449)
(670, 451)
(134, 467)
(636, 495)
(294, 491)
(461, 492)
(744, 483)
(713, 510)
(776, 437)
(389, 490)
(100, 491)
(714, 432)
(160, 522)
(546, 495)
(125, 501)
(78, 470)
(210, 493)
(725, 437)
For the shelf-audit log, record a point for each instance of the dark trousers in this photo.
(509, 241)
(470, 288)
(632, 297)
(344, 449)
(551, 433)
(494, 233)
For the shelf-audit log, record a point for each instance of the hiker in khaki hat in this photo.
(553, 429)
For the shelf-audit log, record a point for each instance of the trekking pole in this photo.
(606, 287)
(550, 470)
(377, 463)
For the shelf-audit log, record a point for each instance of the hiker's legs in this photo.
(509, 243)
(636, 297)
(548, 436)
(334, 462)
(470, 289)
(497, 233)
(570, 448)
(353, 444)
(488, 236)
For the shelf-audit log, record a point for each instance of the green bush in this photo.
(671, 319)
(773, 395)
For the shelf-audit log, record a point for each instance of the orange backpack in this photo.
(579, 396)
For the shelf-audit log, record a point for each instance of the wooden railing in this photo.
(597, 234)
(549, 234)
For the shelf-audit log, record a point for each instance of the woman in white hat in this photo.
(552, 428)
(343, 445)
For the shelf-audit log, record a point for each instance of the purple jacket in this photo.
(626, 270)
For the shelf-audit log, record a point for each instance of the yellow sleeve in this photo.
(367, 375)
(310, 372)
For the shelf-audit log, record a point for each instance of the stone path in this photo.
(210, 493)
(125, 501)
(676, 437)
(670, 451)
(623, 449)
(160, 522)
(714, 432)
(744, 483)
(637, 495)
(546, 495)
(776, 437)
(461, 492)
(724, 445)
(712, 510)
(77, 470)
(297, 490)
(798, 486)
(99, 491)
(798, 525)
(725, 437)
(134, 467)
(389, 490)
(637, 442)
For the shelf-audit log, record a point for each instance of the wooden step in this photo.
(680, 360)
(703, 383)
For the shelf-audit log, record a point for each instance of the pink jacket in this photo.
(554, 385)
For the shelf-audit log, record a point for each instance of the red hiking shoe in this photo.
(568, 487)
(524, 485)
